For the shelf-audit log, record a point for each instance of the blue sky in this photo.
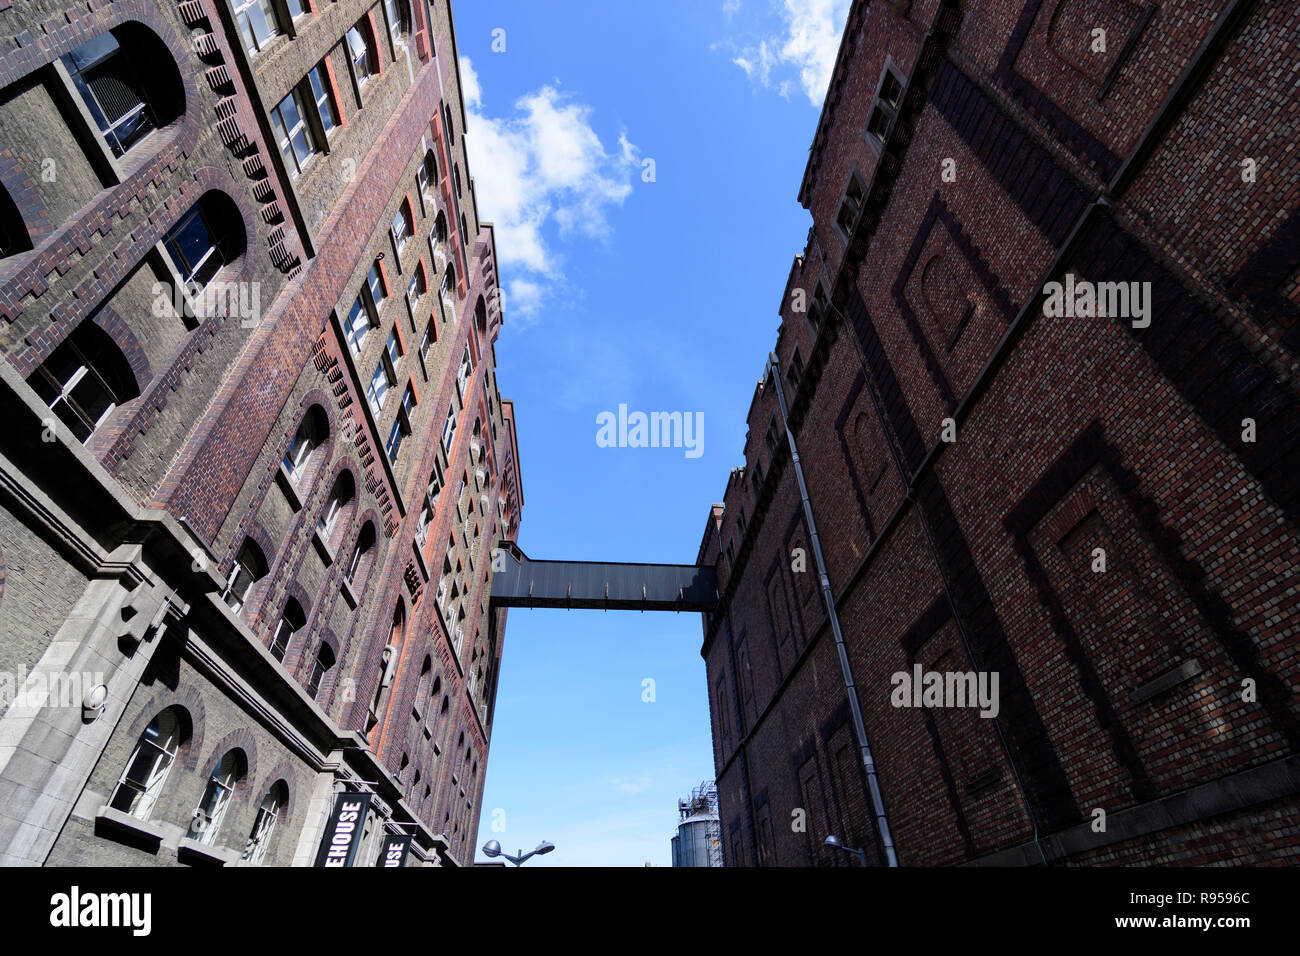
(661, 295)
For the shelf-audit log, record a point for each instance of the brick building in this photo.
(254, 454)
(1099, 510)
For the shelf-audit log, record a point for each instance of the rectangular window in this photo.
(296, 8)
(449, 429)
(257, 22)
(321, 93)
(375, 283)
(850, 207)
(396, 19)
(395, 438)
(401, 228)
(414, 291)
(292, 132)
(401, 425)
(363, 61)
(358, 325)
(427, 341)
(380, 383)
(885, 108)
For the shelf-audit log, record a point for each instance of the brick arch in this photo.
(25, 197)
(372, 516)
(259, 589)
(72, 33)
(315, 398)
(177, 141)
(187, 699)
(73, 308)
(347, 515)
(325, 693)
(241, 738)
(284, 770)
(119, 330)
(296, 591)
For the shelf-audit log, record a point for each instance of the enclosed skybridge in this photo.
(519, 581)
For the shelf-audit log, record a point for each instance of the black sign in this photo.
(394, 851)
(338, 847)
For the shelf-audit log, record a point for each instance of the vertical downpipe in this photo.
(850, 689)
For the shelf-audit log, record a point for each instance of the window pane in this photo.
(189, 243)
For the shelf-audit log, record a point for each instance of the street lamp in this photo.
(834, 841)
(492, 849)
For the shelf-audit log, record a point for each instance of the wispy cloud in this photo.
(633, 787)
(542, 174)
(801, 54)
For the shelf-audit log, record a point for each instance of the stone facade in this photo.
(191, 395)
(1100, 510)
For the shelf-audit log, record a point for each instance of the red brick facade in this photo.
(966, 455)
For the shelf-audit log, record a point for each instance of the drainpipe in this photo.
(850, 689)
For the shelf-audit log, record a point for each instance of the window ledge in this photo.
(190, 850)
(145, 834)
(349, 595)
(322, 547)
(287, 486)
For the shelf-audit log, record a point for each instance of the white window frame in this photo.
(356, 33)
(148, 790)
(270, 16)
(215, 801)
(259, 840)
(285, 134)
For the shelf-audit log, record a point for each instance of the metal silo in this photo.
(699, 830)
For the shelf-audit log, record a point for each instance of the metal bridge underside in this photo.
(519, 581)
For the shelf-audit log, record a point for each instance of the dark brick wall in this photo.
(1117, 690)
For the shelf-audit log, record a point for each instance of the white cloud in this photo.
(803, 53)
(731, 7)
(544, 166)
(631, 786)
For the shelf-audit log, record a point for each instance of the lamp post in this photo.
(492, 849)
(834, 841)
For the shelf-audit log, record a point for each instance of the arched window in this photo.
(480, 315)
(361, 554)
(250, 566)
(340, 496)
(422, 689)
(319, 668)
(226, 775)
(440, 228)
(291, 622)
(427, 174)
(85, 379)
(127, 103)
(268, 814)
(142, 781)
(206, 239)
(449, 286)
(435, 690)
(310, 435)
